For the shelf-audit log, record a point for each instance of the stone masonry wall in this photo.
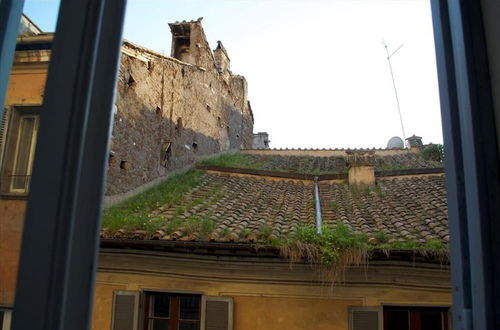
(168, 113)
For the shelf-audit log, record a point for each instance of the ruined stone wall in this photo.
(168, 113)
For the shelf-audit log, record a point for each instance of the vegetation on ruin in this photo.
(434, 152)
(135, 213)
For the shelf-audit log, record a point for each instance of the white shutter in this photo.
(216, 313)
(365, 318)
(125, 310)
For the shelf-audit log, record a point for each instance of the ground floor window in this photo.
(415, 318)
(168, 311)
(5, 318)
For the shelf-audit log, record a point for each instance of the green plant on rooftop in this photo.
(225, 232)
(233, 160)
(135, 213)
(264, 232)
(381, 237)
(340, 247)
(434, 152)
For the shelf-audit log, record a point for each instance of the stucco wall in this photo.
(25, 88)
(271, 306)
(268, 294)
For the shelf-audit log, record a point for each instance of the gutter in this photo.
(319, 221)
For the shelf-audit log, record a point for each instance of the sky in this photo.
(317, 70)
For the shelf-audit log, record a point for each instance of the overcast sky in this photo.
(316, 69)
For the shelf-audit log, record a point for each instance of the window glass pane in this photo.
(397, 320)
(431, 320)
(24, 150)
(158, 325)
(189, 308)
(183, 325)
(160, 306)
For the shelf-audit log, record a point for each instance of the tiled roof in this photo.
(249, 209)
(335, 164)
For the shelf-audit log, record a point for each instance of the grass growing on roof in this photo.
(340, 247)
(135, 213)
(233, 160)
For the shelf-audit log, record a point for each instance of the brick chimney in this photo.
(361, 167)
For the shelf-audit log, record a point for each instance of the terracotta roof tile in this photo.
(242, 209)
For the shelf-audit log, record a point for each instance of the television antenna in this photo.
(394, 84)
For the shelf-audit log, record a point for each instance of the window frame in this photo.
(10, 148)
(173, 321)
(6, 318)
(414, 314)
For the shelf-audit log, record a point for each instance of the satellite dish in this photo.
(395, 143)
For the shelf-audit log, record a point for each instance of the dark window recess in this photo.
(183, 72)
(111, 159)
(150, 66)
(165, 311)
(195, 146)
(131, 83)
(415, 318)
(209, 108)
(181, 49)
(166, 153)
(158, 111)
(124, 165)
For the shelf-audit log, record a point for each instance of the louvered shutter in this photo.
(365, 318)
(3, 131)
(125, 310)
(216, 313)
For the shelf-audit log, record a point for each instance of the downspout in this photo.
(319, 221)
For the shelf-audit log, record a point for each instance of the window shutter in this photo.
(365, 318)
(3, 131)
(216, 313)
(125, 310)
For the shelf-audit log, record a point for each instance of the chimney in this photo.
(415, 143)
(361, 167)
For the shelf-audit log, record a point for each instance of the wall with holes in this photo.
(168, 113)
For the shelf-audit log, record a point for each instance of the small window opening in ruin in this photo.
(124, 165)
(209, 108)
(158, 111)
(195, 146)
(150, 65)
(111, 159)
(181, 49)
(166, 153)
(219, 121)
(131, 82)
(237, 136)
(183, 72)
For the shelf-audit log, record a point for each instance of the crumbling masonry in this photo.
(171, 110)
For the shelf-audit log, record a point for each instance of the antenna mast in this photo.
(394, 85)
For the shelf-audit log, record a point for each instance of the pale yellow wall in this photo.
(26, 87)
(268, 306)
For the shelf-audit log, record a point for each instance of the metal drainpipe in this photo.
(319, 222)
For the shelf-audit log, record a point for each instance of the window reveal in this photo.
(19, 143)
(171, 312)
